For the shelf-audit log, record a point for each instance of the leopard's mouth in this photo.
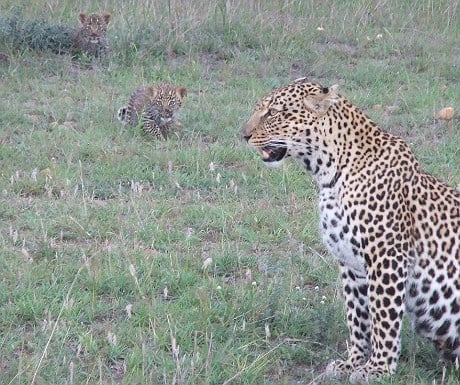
(165, 120)
(272, 153)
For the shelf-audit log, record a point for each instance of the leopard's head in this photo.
(94, 26)
(285, 119)
(166, 100)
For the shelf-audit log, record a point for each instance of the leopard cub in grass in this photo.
(155, 108)
(91, 37)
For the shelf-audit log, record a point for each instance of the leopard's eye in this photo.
(272, 111)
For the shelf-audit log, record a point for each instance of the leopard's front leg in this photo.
(374, 315)
(355, 290)
(386, 289)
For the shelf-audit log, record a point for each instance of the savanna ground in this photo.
(127, 261)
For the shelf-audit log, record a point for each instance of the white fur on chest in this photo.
(337, 233)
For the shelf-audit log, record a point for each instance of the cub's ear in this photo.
(181, 92)
(106, 16)
(151, 91)
(82, 17)
(319, 104)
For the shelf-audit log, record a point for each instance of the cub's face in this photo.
(94, 26)
(167, 100)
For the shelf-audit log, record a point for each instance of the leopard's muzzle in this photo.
(272, 153)
(269, 153)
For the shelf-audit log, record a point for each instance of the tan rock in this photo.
(445, 114)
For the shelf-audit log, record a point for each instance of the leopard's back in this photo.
(138, 102)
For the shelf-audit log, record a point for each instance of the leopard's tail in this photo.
(122, 114)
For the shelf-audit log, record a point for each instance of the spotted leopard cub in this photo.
(155, 108)
(393, 229)
(91, 37)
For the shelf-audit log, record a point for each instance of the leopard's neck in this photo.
(338, 146)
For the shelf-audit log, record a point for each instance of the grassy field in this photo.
(128, 261)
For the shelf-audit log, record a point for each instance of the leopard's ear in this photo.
(181, 92)
(319, 104)
(152, 91)
(82, 17)
(106, 16)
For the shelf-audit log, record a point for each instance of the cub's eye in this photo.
(272, 112)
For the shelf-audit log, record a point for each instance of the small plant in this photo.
(18, 34)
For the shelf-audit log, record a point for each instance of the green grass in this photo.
(126, 261)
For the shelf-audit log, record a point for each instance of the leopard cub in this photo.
(155, 108)
(91, 37)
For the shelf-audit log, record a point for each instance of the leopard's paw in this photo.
(338, 369)
(366, 374)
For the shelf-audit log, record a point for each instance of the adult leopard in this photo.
(394, 229)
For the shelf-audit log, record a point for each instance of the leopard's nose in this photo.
(246, 132)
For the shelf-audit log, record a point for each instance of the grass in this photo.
(126, 261)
